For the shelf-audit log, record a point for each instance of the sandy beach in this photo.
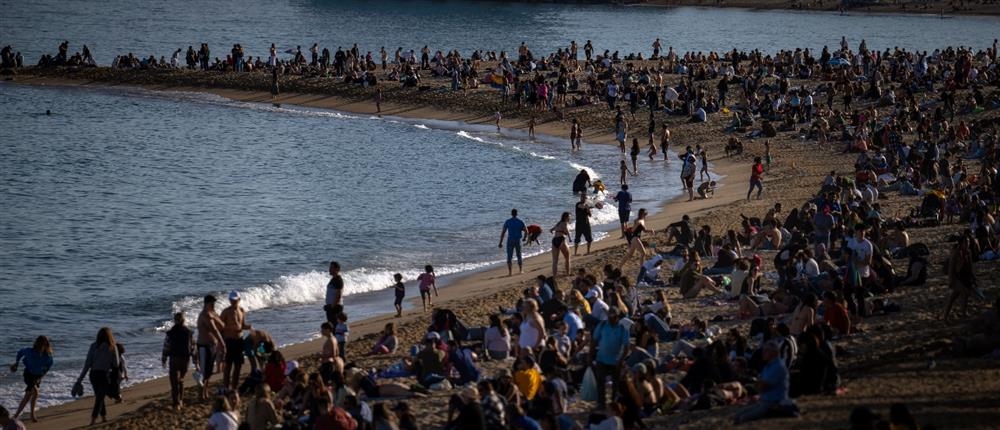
(899, 357)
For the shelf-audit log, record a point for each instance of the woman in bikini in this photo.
(559, 243)
(634, 238)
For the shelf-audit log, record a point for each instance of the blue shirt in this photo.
(515, 229)
(34, 363)
(526, 423)
(775, 375)
(573, 323)
(624, 199)
(611, 342)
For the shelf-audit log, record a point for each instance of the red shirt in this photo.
(756, 171)
(836, 317)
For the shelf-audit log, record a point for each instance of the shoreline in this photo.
(479, 283)
(939, 8)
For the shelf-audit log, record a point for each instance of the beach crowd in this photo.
(800, 278)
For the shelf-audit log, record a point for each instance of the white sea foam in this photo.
(421, 126)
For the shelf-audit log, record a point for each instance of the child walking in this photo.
(427, 282)
(400, 290)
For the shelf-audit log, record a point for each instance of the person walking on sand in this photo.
(37, 361)
(756, 171)
(514, 229)
(178, 348)
(634, 238)
(582, 224)
(334, 292)
(624, 199)
(427, 283)
(560, 234)
(209, 343)
(233, 324)
(400, 291)
(102, 359)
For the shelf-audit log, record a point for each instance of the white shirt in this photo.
(599, 310)
(809, 269)
(861, 250)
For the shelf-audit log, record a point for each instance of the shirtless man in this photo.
(329, 354)
(210, 343)
(233, 324)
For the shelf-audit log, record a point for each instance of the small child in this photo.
(341, 332)
(427, 282)
(706, 189)
(400, 290)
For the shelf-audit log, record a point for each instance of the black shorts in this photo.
(234, 351)
(398, 301)
(206, 360)
(31, 381)
(623, 216)
(688, 181)
(584, 231)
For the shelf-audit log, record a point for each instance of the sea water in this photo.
(148, 27)
(124, 206)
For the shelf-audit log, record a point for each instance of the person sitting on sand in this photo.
(773, 385)
(387, 342)
(692, 281)
(428, 365)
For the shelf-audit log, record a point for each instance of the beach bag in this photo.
(588, 388)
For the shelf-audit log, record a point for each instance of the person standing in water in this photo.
(427, 283)
(209, 343)
(102, 359)
(704, 165)
(624, 199)
(37, 361)
(688, 170)
(623, 169)
(531, 127)
(400, 291)
(575, 135)
(665, 141)
(178, 347)
(497, 117)
(582, 224)
(378, 98)
(233, 324)
(560, 234)
(582, 182)
(634, 154)
(514, 229)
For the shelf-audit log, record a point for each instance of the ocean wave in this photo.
(310, 287)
